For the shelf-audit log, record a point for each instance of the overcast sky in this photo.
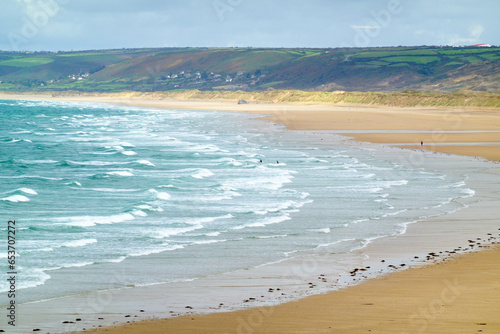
(52, 25)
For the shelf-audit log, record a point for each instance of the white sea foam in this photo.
(206, 220)
(194, 224)
(372, 187)
(129, 153)
(283, 206)
(287, 205)
(89, 221)
(139, 213)
(120, 173)
(468, 192)
(396, 183)
(20, 131)
(226, 196)
(163, 196)
(116, 148)
(264, 222)
(74, 183)
(38, 162)
(235, 163)
(458, 184)
(314, 160)
(357, 221)
(167, 186)
(149, 208)
(272, 236)
(156, 250)
(28, 191)
(202, 173)
(160, 195)
(207, 242)
(323, 230)
(169, 232)
(77, 265)
(335, 243)
(231, 162)
(46, 249)
(16, 199)
(112, 190)
(206, 148)
(94, 163)
(33, 278)
(146, 163)
(79, 243)
(118, 260)
(264, 182)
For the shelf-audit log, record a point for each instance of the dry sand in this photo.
(459, 296)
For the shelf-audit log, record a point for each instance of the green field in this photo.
(26, 62)
(412, 59)
(426, 68)
(379, 54)
(462, 51)
(473, 59)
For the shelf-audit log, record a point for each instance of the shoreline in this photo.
(294, 117)
(465, 131)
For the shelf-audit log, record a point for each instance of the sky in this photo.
(64, 25)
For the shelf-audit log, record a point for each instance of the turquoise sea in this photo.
(197, 193)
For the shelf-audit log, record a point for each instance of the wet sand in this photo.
(457, 296)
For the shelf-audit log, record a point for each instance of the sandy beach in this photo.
(456, 294)
(463, 131)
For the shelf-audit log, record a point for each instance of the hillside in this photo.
(424, 69)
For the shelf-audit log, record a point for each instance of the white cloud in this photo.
(89, 24)
(475, 31)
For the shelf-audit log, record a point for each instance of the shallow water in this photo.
(174, 195)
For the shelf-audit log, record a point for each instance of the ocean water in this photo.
(174, 195)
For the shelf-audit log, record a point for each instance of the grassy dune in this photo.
(397, 99)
